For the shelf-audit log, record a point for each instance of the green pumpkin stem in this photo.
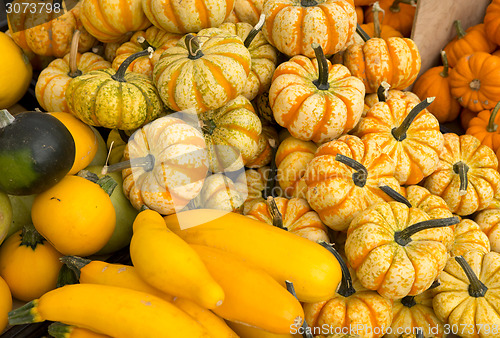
(120, 73)
(476, 287)
(31, 237)
(434, 284)
(60, 330)
(461, 33)
(446, 67)
(147, 163)
(322, 81)
(66, 276)
(25, 314)
(308, 3)
(377, 29)
(306, 331)
(73, 53)
(107, 183)
(403, 237)
(141, 40)
(208, 126)
(395, 8)
(395, 195)
(255, 30)
(359, 177)
(409, 301)
(75, 263)
(382, 91)
(6, 118)
(492, 126)
(362, 33)
(399, 133)
(275, 213)
(346, 288)
(420, 333)
(193, 47)
(461, 169)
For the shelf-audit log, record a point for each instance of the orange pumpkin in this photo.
(393, 60)
(466, 115)
(360, 15)
(467, 42)
(384, 93)
(292, 157)
(110, 20)
(485, 128)
(52, 82)
(466, 175)
(468, 237)
(294, 215)
(375, 28)
(314, 99)
(475, 81)
(189, 16)
(152, 37)
(489, 222)
(395, 249)
(492, 21)
(292, 26)
(352, 308)
(435, 82)
(398, 14)
(48, 33)
(344, 177)
(408, 133)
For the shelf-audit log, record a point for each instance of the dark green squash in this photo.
(36, 152)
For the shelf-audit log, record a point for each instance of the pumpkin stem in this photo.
(271, 180)
(403, 237)
(141, 40)
(208, 126)
(107, 183)
(409, 301)
(73, 52)
(6, 118)
(492, 126)
(362, 33)
(193, 47)
(461, 169)
(308, 3)
(306, 331)
(66, 277)
(25, 314)
(395, 8)
(75, 263)
(322, 81)
(460, 30)
(123, 135)
(399, 133)
(382, 91)
(420, 333)
(446, 66)
(395, 195)
(476, 287)
(30, 237)
(376, 20)
(434, 284)
(275, 213)
(346, 288)
(359, 177)
(59, 330)
(147, 163)
(255, 30)
(120, 73)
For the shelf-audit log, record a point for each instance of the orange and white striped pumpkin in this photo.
(268, 140)
(248, 11)
(489, 222)
(468, 237)
(221, 193)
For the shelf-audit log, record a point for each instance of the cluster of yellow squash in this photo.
(191, 271)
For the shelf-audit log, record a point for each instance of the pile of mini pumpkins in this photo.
(295, 114)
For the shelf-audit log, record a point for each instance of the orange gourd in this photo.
(360, 15)
(492, 21)
(469, 237)
(268, 141)
(467, 42)
(398, 14)
(435, 82)
(485, 128)
(466, 115)
(489, 222)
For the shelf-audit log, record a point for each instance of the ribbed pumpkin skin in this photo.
(394, 60)
(292, 28)
(419, 315)
(489, 222)
(180, 165)
(46, 33)
(483, 177)
(308, 112)
(292, 157)
(372, 99)
(382, 264)
(189, 16)
(478, 127)
(331, 191)
(466, 116)
(268, 139)
(221, 193)
(298, 218)
(230, 132)
(52, 82)
(98, 100)
(417, 155)
(386, 32)
(475, 81)
(475, 40)
(492, 21)
(206, 83)
(400, 17)
(468, 237)
(246, 11)
(158, 39)
(109, 20)
(264, 59)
